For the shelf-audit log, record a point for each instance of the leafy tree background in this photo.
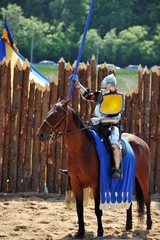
(122, 32)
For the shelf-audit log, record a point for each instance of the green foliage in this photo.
(92, 42)
(120, 31)
(109, 47)
(15, 18)
(129, 45)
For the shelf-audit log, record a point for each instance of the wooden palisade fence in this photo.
(26, 164)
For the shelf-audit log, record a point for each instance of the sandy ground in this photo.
(33, 217)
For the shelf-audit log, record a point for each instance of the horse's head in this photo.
(55, 122)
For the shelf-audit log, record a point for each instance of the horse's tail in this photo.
(140, 201)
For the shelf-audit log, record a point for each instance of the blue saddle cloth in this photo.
(115, 191)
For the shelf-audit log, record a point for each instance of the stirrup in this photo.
(116, 173)
(63, 171)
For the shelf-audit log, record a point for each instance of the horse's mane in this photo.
(80, 124)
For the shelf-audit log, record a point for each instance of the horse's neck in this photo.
(75, 137)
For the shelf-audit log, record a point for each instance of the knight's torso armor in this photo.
(110, 103)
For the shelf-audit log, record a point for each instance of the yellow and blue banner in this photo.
(9, 49)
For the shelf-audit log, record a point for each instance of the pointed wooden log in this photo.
(3, 112)
(7, 131)
(23, 126)
(61, 67)
(146, 104)
(44, 146)
(140, 91)
(36, 142)
(15, 126)
(134, 113)
(154, 134)
(29, 139)
(127, 113)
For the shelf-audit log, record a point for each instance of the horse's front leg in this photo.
(78, 192)
(98, 211)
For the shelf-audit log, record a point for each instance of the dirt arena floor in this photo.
(28, 217)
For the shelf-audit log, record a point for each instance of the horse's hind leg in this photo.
(129, 218)
(144, 186)
(148, 205)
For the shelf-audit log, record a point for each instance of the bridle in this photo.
(55, 130)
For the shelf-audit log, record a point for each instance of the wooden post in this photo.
(51, 162)
(75, 95)
(36, 142)
(146, 104)
(105, 70)
(67, 83)
(100, 76)
(140, 90)
(61, 86)
(93, 81)
(155, 92)
(83, 81)
(29, 140)
(15, 123)
(23, 114)
(88, 78)
(127, 113)
(7, 131)
(134, 111)
(3, 105)
(93, 74)
(64, 151)
(43, 146)
(112, 70)
(61, 77)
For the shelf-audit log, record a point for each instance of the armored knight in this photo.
(107, 114)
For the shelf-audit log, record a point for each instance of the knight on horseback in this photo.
(107, 118)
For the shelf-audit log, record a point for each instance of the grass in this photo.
(48, 71)
(127, 80)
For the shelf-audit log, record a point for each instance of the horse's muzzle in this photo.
(43, 137)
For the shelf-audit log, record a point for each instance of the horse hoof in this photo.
(79, 235)
(128, 228)
(100, 233)
(149, 225)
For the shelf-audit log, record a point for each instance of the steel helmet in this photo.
(110, 79)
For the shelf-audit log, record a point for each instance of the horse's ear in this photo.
(60, 98)
(65, 104)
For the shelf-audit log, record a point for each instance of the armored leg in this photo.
(117, 156)
(116, 152)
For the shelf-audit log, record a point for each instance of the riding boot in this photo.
(117, 156)
(63, 171)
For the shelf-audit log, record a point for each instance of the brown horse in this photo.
(83, 163)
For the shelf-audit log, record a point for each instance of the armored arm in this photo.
(86, 95)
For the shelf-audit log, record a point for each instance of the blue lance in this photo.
(74, 76)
